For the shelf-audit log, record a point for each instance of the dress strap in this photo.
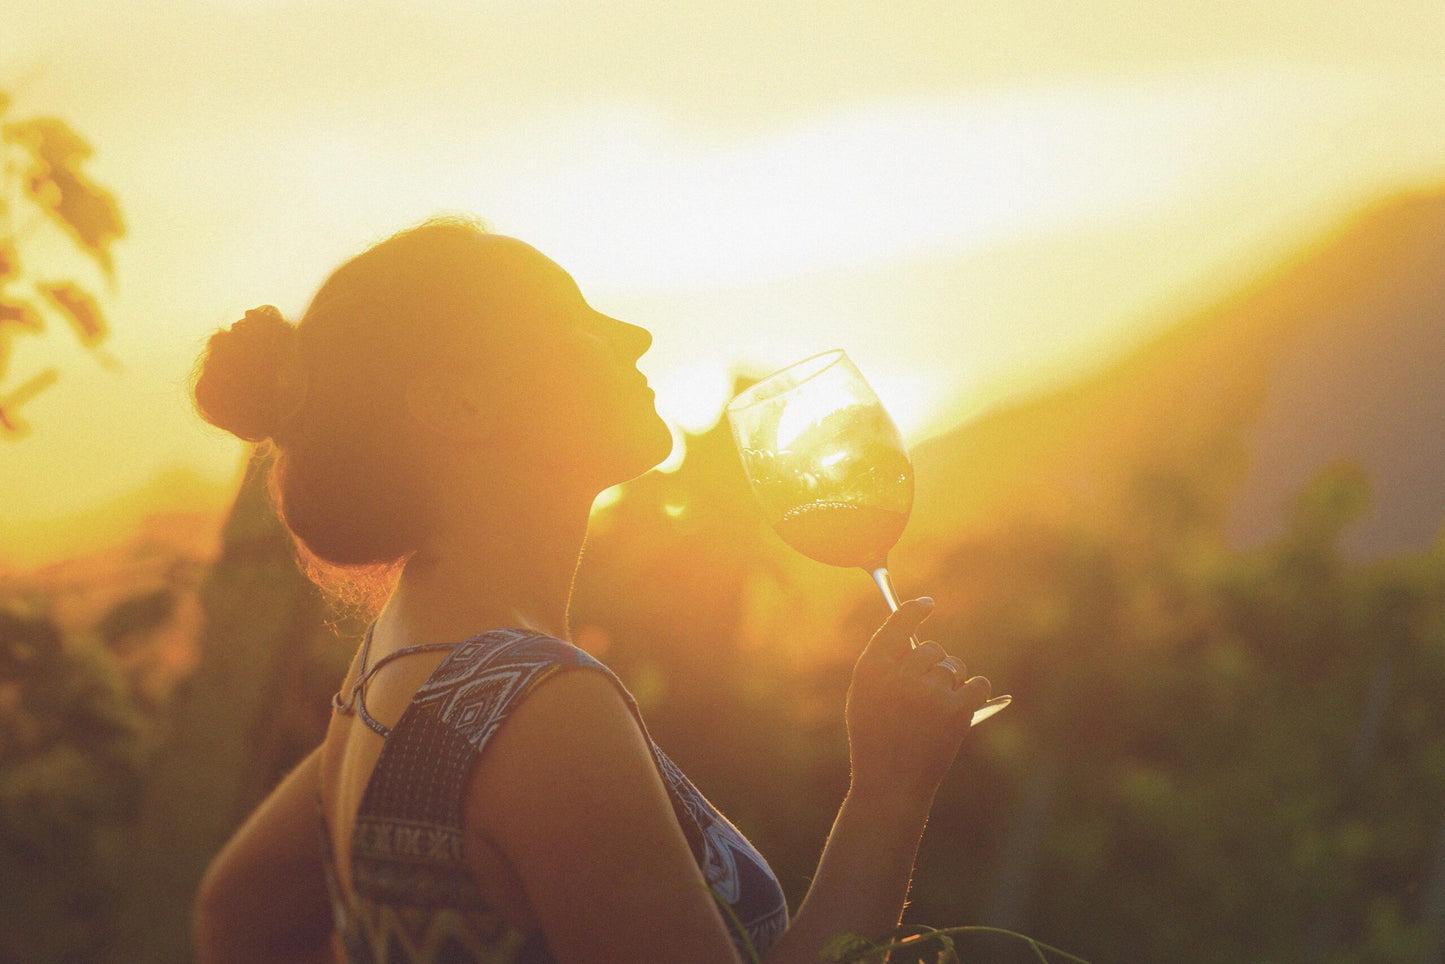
(356, 700)
(347, 706)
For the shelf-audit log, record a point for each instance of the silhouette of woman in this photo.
(450, 403)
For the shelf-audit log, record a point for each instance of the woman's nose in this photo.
(631, 340)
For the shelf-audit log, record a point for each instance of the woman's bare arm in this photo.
(264, 896)
(861, 883)
(569, 792)
(906, 721)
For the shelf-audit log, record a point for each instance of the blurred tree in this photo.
(73, 746)
(42, 183)
(1218, 756)
(258, 701)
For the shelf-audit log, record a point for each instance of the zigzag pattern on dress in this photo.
(436, 934)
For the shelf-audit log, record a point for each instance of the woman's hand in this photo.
(908, 711)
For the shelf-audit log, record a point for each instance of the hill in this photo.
(1336, 355)
(176, 507)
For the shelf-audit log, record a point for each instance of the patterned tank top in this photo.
(413, 897)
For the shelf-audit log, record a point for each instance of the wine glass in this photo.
(830, 468)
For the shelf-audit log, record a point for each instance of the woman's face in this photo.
(565, 386)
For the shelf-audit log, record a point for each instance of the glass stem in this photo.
(890, 595)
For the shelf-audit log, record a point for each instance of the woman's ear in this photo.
(440, 405)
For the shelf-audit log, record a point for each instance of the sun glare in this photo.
(692, 396)
(859, 223)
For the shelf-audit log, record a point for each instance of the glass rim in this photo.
(757, 393)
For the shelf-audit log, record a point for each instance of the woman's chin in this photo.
(663, 437)
(610, 454)
(645, 448)
(654, 445)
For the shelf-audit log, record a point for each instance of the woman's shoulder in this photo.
(488, 676)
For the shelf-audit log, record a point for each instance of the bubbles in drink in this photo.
(842, 533)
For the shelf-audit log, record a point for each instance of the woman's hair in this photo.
(328, 392)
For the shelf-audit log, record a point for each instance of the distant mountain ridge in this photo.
(176, 506)
(1337, 355)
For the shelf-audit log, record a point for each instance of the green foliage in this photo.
(138, 613)
(42, 174)
(1219, 756)
(73, 747)
(1215, 755)
(934, 945)
(257, 703)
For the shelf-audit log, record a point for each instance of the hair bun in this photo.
(250, 381)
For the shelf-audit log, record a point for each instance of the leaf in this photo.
(21, 314)
(726, 908)
(16, 317)
(55, 182)
(81, 310)
(10, 422)
(843, 947)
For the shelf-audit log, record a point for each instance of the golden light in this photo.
(953, 233)
(691, 396)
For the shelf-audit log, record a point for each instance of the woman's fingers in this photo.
(930, 660)
(909, 709)
(974, 692)
(941, 675)
(947, 670)
(928, 654)
(892, 639)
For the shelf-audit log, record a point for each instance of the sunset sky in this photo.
(971, 198)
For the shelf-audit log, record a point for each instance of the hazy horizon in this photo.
(973, 206)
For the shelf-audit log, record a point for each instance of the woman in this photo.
(451, 403)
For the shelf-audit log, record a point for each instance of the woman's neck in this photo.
(515, 567)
